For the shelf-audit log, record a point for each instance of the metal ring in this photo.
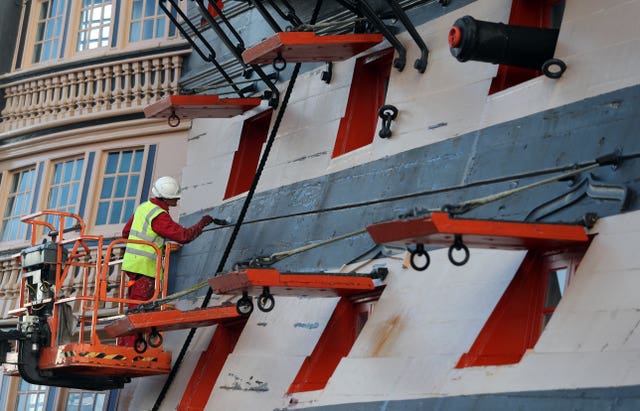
(279, 63)
(154, 339)
(462, 247)
(140, 346)
(173, 120)
(388, 111)
(244, 306)
(266, 302)
(419, 252)
(547, 68)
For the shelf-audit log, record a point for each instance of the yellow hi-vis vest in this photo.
(141, 258)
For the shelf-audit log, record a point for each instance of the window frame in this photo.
(340, 334)
(91, 216)
(368, 92)
(85, 393)
(118, 39)
(170, 30)
(247, 156)
(51, 175)
(78, 29)
(29, 392)
(518, 319)
(198, 390)
(7, 194)
(63, 23)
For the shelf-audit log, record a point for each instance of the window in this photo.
(525, 308)
(31, 397)
(344, 326)
(367, 95)
(532, 13)
(95, 24)
(148, 21)
(556, 284)
(49, 30)
(6, 382)
(65, 187)
(18, 204)
(86, 401)
(121, 185)
(247, 156)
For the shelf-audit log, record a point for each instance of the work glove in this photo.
(206, 220)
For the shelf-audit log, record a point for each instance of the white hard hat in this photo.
(166, 187)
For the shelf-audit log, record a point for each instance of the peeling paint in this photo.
(635, 327)
(441, 124)
(322, 153)
(310, 326)
(239, 384)
(196, 137)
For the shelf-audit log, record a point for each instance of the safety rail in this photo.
(74, 257)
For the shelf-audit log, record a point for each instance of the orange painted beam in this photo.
(170, 320)
(104, 360)
(300, 47)
(204, 376)
(440, 230)
(335, 343)
(200, 106)
(252, 281)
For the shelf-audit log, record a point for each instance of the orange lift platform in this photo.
(266, 282)
(439, 229)
(301, 47)
(176, 107)
(66, 286)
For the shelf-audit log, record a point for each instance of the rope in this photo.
(273, 258)
(318, 244)
(264, 260)
(234, 234)
(160, 301)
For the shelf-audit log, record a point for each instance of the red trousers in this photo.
(142, 288)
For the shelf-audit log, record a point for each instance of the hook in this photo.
(387, 113)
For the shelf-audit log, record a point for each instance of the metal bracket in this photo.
(586, 187)
(236, 49)
(421, 63)
(211, 57)
(362, 8)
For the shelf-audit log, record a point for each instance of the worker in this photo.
(151, 222)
